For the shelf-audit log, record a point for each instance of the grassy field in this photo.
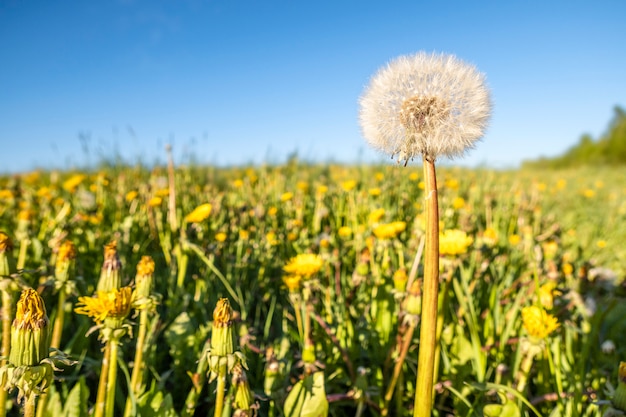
(320, 266)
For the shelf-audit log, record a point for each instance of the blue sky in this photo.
(233, 82)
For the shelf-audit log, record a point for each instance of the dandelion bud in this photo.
(413, 303)
(64, 266)
(144, 278)
(619, 397)
(400, 279)
(110, 278)
(6, 260)
(222, 343)
(244, 398)
(30, 341)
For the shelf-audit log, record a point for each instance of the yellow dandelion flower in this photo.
(374, 192)
(291, 236)
(322, 189)
(514, 239)
(73, 182)
(130, 196)
(304, 265)
(452, 183)
(454, 242)
(302, 186)
(550, 249)
(541, 186)
(601, 244)
(292, 282)
(376, 215)
(271, 238)
(589, 193)
(6, 195)
(348, 185)
(537, 323)
(379, 176)
(567, 268)
(561, 183)
(113, 304)
(546, 294)
(286, 196)
(244, 234)
(272, 211)
(344, 232)
(388, 230)
(155, 201)
(220, 236)
(162, 192)
(490, 236)
(238, 183)
(199, 214)
(458, 203)
(414, 176)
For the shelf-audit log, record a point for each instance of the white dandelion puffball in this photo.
(427, 105)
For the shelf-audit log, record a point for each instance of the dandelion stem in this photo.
(102, 384)
(112, 377)
(221, 388)
(136, 379)
(428, 331)
(7, 314)
(29, 405)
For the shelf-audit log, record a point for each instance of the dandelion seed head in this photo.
(427, 105)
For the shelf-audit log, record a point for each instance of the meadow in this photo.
(308, 275)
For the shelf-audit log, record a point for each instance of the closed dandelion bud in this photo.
(413, 303)
(6, 259)
(110, 278)
(244, 398)
(64, 267)
(222, 343)
(144, 278)
(619, 397)
(272, 371)
(30, 336)
(400, 279)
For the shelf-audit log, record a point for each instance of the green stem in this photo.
(7, 316)
(198, 379)
(428, 331)
(221, 388)
(136, 379)
(102, 384)
(29, 406)
(112, 377)
(408, 336)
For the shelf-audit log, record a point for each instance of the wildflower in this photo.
(144, 280)
(238, 183)
(305, 265)
(243, 401)
(110, 272)
(538, 323)
(490, 236)
(73, 182)
(425, 104)
(244, 234)
(64, 263)
(29, 368)
(454, 242)
(321, 189)
(111, 306)
(162, 192)
(6, 195)
(619, 396)
(348, 185)
(567, 269)
(458, 203)
(389, 230)
(220, 236)
(601, 244)
(286, 196)
(376, 215)
(452, 183)
(344, 232)
(222, 343)
(272, 211)
(589, 193)
(130, 196)
(155, 201)
(550, 249)
(271, 238)
(374, 192)
(292, 282)
(302, 186)
(514, 239)
(199, 214)
(546, 294)
(400, 279)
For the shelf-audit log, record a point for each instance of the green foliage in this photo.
(610, 149)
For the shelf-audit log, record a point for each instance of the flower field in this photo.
(296, 290)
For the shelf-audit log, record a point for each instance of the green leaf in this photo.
(308, 398)
(76, 402)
